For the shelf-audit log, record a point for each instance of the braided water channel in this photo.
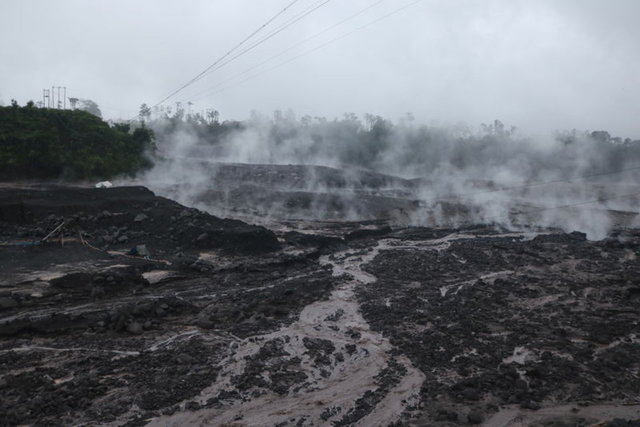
(332, 368)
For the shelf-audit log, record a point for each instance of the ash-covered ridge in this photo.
(270, 194)
(285, 191)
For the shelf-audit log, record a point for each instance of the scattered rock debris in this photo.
(142, 311)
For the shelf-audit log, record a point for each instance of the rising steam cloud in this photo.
(435, 175)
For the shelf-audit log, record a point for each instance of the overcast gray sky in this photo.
(536, 64)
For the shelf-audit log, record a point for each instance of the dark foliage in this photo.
(40, 143)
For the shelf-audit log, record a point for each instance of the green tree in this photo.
(41, 143)
(90, 107)
(145, 112)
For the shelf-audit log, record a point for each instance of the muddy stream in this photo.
(331, 389)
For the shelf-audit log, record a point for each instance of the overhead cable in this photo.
(216, 62)
(221, 84)
(322, 45)
(278, 30)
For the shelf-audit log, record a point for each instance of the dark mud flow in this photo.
(118, 307)
(500, 321)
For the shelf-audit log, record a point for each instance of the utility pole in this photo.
(65, 98)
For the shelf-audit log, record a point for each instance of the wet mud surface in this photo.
(140, 311)
(498, 320)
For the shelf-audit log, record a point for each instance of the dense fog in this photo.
(493, 170)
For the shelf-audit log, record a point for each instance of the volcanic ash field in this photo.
(351, 303)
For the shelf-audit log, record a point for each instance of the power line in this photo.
(199, 75)
(323, 45)
(221, 84)
(278, 30)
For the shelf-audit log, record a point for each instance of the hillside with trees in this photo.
(42, 143)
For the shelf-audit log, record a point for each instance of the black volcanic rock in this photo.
(165, 223)
(199, 316)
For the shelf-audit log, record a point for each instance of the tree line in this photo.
(43, 143)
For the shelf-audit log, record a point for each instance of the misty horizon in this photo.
(539, 66)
